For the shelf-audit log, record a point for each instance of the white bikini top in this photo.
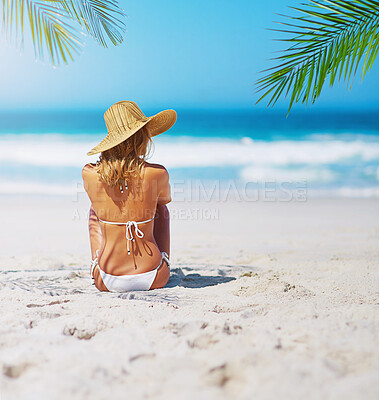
(128, 229)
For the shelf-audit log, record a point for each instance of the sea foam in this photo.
(70, 151)
(350, 166)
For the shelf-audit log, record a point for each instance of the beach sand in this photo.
(266, 300)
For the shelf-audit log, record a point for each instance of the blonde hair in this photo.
(124, 161)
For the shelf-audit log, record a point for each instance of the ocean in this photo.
(324, 153)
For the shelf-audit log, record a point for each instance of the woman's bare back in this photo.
(140, 202)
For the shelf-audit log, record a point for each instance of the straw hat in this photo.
(124, 118)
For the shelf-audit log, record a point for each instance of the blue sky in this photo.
(176, 54)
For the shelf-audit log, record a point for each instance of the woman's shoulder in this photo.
(156, 173)
(155, 169)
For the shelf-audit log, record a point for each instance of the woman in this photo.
(129, 221)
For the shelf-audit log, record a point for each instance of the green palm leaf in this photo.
(97, 17)
(55, 25)
(328, 39)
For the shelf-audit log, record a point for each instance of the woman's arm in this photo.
(162, 215)
(162, 228)
(95, 235)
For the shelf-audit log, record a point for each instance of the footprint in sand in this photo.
(254, 284)
(15, 370)
(158, 296)
(85, 332)
(202, 341)
(186, 328)
(52, 303)
(218, 376)
(231, 330)
(222, 309)
(226, 376)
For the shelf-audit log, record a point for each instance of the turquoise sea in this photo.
(331, 153)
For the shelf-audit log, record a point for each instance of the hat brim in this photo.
(155, 124)
(161, 122)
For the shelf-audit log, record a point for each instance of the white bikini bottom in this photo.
(126, 283)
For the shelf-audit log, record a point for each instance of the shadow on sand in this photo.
(195, 280)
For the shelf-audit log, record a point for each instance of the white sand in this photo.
(269, 300)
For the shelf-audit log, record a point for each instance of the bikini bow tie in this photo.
(128, 229)
(129, 233)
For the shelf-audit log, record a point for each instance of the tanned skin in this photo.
(141, 201)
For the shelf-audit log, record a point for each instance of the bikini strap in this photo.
(94, 263)
(165, 258)
(128, 230)
(125, 223)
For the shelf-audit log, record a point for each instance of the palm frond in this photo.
(328, 39)
(55, 25)
(97, 18)
(51, 32)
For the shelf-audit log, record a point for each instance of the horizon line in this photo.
(374, 109)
